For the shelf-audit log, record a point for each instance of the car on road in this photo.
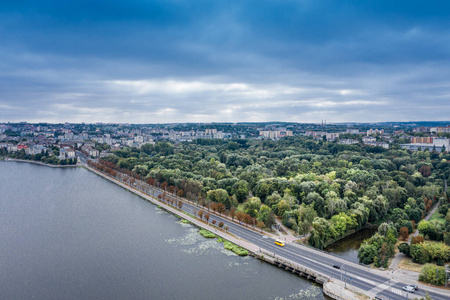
(415, 287)
(409, 289)
(265, 237)
(279, 243)
(337, 266)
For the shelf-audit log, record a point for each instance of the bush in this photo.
(418, 239)
(404, 248)
(419, 254)
(207, 234)
(433, 275)
(235, 248)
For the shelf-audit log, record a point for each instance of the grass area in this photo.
(438, 217)
(185, 221)
(207, 234)
(190, 215)
(407, 264)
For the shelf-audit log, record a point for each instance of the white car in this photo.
(409, 289)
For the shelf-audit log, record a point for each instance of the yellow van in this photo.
(279, 243)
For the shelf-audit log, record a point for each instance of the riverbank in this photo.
(41, 163)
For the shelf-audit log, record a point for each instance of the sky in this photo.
(144, 61)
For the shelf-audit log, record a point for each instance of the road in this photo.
(357, 275)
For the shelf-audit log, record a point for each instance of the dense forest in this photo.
(316, 187)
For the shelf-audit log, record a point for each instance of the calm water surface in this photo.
(348, 247)
(69, 234)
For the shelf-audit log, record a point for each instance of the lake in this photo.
(70, 234)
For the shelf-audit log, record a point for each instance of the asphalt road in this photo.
(354, 274)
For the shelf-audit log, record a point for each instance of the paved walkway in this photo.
(287, 235)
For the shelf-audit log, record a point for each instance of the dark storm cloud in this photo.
(167, 61)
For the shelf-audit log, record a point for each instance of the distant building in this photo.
(332, 136)
(348, 142)
(438, 144)
(352, 131)
(375, 131)
(275, 134)
(440, 130)
(422, 140)
(369, 139)
(378, 144)
(421, 129)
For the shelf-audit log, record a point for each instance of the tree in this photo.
(180, 204)
(404, 233)
(260, 225)
(200, 213)
(251, 206)
(180, 193)
(417, 239)
(367, 253)
(214, 206)
(271, 220)
(240, 216)
(424, 228)
(207, 216)
(383, 228)
(221, 224)
(220, 208)
(232, 212)
(404, 248)
(240, 190)
(425, 171)
(419, 254)
(213, 222)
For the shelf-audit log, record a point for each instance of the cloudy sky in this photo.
(144, 61)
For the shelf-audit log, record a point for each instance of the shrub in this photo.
(418, 239)
(207, 234)
(235, 248)
(433, 275)
(419, 254)
(404, 248)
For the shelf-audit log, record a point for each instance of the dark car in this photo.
(337, 266)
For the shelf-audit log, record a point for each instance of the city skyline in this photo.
(203, 61)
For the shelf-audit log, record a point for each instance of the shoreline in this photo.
(329, 286)
(40, 163)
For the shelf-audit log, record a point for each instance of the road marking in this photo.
(396, 291)
(383, 286)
